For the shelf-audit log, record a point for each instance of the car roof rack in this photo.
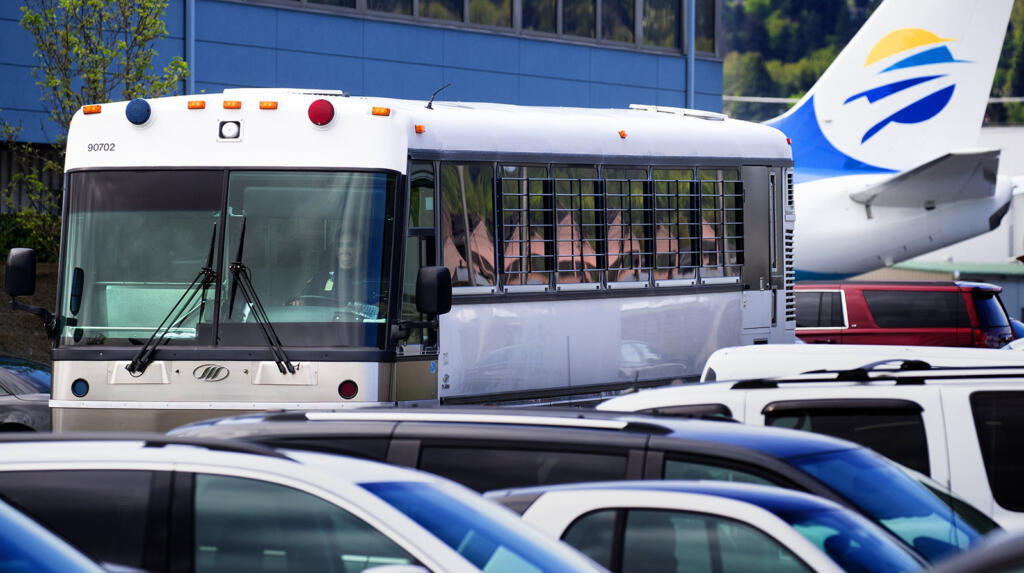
(906, 372)
(149, 440)
(550, 417)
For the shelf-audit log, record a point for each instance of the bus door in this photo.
(416, 365)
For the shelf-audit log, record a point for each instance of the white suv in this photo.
(967, 434)
(160, 503)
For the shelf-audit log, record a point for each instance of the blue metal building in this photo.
(589, 53)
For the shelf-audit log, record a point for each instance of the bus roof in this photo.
(378, 133)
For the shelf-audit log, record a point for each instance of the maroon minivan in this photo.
(904, 313)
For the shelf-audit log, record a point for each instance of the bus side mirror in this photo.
(433, 290)
(21, 273)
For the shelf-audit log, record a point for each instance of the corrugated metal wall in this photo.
(14, 199)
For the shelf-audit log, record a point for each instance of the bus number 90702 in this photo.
(100, 147)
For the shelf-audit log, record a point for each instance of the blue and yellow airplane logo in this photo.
(898, 42)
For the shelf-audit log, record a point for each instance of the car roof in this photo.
(122, 450)
(777, 442)
(904, 285)
(775, 499)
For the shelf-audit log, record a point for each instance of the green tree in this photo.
(88, 51)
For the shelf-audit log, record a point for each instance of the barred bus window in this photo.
(677, 224)
(539, 15)
(617, 20)
(527, 225)
(628, 214)
(578, 18)
(578, 224)
(392, 6)
(660, 23)
(721, 211)
(491, 12)
(467, 223)
(732, 202)
(442, 9)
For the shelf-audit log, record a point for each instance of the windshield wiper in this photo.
(206, 277)
(241, 279)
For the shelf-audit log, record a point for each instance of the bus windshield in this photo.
(316, 249)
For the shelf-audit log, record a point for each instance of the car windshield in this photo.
(852, 541)
(881, 490)
(316, 249)
(488, 536)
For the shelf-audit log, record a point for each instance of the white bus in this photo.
(260, 249)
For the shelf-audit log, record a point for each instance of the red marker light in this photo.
(789, 141)
(321, 112)
(348, 389)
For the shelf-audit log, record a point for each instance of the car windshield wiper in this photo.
(241, 280)
(206, 277)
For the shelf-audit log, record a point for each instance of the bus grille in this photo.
(790, 277)
(789, 187)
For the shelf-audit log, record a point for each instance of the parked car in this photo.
(495, 448)
(24, 395)
(997, 554)
(689, 525)
(775, 360)
(26, 546)
(954, 313)
(172, 504)
(967, 433)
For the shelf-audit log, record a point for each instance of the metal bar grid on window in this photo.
(629, 216)
(579, 225)
(677, 228)
(732, 210)
(527, 235)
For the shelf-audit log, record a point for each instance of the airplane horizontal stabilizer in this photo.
(956, 176)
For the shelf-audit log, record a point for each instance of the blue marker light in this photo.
(79, 387)
(138, 111)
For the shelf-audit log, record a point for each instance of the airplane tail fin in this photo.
(910, 86)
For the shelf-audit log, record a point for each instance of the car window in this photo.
(990, 311)
(816, 309)
(245, 525)
(1000, 426)
(655, 540)
(103, 512)
(917, 309)
(593, 534)
(676, 468)
(895, 433)
(485, 469)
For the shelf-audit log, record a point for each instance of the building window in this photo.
(661, 23)
(578, 18)
(441, 9)
(539, 16)
(617, 17)
(343, 3)
(704, 40)
(391, 6)
(491, 12)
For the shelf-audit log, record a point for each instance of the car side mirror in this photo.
(433, 290)
(21, 273)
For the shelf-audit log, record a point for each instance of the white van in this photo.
(772, 360)
(967, 435)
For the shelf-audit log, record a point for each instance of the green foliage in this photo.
(88, 51)
(91, 51)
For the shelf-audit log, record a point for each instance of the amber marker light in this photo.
(91, 109)
(622, 134)
(232, 104)
(383, 111)
(268, 105)
(196, 104)
(420, 129)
